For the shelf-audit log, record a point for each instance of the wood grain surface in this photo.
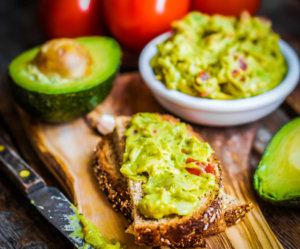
(21, 227)
(67, 151)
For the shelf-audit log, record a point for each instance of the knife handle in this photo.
(19, 171)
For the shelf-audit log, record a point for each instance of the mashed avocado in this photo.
(91, 234)
(171, 164)
(94, 238)
(220, 57)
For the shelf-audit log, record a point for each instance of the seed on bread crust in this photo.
(114, 189)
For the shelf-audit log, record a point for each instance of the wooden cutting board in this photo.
(67, 151)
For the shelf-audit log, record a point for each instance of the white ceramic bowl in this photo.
(218, 112)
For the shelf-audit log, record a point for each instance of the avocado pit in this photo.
(65, 57)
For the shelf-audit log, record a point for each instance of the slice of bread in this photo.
(214, 212)
(113, 184)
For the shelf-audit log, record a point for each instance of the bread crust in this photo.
(234, 214)
(110, 182)
(185, 232)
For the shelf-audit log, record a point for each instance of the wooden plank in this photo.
(267, 127)
(17, 133)
(21, 226)
(70, 147)
(294, 100)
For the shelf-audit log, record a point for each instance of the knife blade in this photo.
(49, 201)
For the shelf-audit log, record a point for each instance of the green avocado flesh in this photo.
(91, 234)
(55, 99)
(278, 175)
(170, 163)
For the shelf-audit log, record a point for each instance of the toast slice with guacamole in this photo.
(154, 223)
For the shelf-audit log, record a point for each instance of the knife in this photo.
(49, 201)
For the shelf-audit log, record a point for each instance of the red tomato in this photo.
(210, 169)
(135, 22)
(191, 160)
(194, 171)
(226, 7)
(71, 18)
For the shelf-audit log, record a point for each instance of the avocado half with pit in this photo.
(65, 78)
(277, 178)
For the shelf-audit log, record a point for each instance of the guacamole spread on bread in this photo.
(220, 57)
(174, 166)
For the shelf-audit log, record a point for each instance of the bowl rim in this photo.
(280, 91)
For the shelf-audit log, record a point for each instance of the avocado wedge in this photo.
(277, 178)
(61, 95)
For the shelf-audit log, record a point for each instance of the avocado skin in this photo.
(283, 203)
(60, 108)
(293, 202)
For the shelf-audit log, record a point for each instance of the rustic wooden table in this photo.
(20, 225)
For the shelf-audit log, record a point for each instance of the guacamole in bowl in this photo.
(220, 57)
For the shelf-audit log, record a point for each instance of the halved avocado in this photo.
(277, 178)
(63, 99)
